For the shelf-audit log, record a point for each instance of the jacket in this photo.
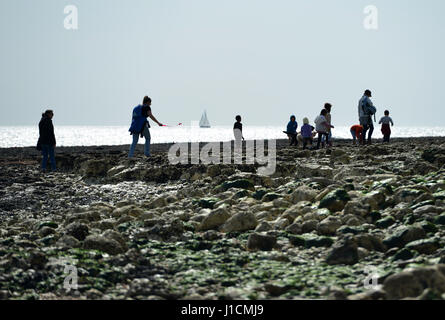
(46, 132)
(138, 120)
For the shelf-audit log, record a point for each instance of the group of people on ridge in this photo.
(141, 127)
(308, 133)
(323, 126)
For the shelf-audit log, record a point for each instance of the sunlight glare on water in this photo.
(25, 136)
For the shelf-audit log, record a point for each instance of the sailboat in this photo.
(204, 123)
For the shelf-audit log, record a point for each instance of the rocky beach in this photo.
(342, 223)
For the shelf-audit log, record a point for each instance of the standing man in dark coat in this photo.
(47, 139)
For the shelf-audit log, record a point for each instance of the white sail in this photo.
(204, 123)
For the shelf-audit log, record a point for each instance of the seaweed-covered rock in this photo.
(413, 282)
(78, 230)
(102, 243)
(262, 242)
(424, 246)
(404, 235)
(335, 200)
(344, 252)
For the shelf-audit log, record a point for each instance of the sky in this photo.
(264, 60)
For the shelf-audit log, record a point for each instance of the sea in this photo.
(71, 136)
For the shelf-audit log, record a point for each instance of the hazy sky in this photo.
(262, 59)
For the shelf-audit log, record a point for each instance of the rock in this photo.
(357, 207)
(318, 242)
(385, 222)
(439, 195)
(140, 287)
(213, 170)
(263, 226)
(38, 259)
(429, 294)
(111, 234)
(313, 170)
(429, 227)
(334, 293)
(354, 222)
(94, 168)
(413, 282)
(241, 194)
(49, 224)
(303, 194)
(407, 195)
(375, 199)
(211, 235)
(78, 230)
(262, 242)
(404, 235)
(309, 226)
(345, 252)
(4, 294)
(424, 246)
(440, 220)
(95, 242)
(369, 295)
(68, 242)
(241, 184)
(369, 242)
(93, 294)
(329, 226)
(207, 203)
(115, 170)
(403, 254)
(46, 231)
(259, 194)
(335, 200)
(158, 202)
(276, 290)
(270, 197)
(351, 230)
(241, 221)
(215, 219)
(295, 228)
(428, 210)
(281, 223)
(362, 253)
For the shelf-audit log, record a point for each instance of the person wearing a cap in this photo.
(365, 119)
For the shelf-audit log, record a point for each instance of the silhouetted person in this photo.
(386, 128)
(238, 129)
(356, 132)
(140, 126)
(321, 126)
(307, 133)
(292, 130)
(328, 108)
(365, 111)
(47, 140)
